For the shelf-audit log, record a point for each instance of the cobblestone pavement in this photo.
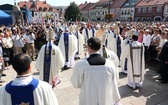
(152, 92)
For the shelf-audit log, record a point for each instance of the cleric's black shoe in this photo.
(3, 74)
(164, 82)
(77, 58)
(66, 68)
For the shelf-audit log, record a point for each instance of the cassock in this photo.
(49, 61)
(27, 91)
(68, 47)
(106, 53)
(136, 65)
(95, 76)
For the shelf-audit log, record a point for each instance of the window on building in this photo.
(139, 10)
(149, 9)
(98, 13)
(40, 9)
(159, 9)
(143, 18)
(105, 12)
(51, 9)
(35, 14)
(144, 9)
(148, 18)
(125, 12)
(45, 9)
(128, 11)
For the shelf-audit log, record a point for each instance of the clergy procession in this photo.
(94, 54)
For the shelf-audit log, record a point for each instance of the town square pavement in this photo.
(152, 92)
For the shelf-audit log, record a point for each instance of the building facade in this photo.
(100, 10)
(149, 10)
(127, 10)
(40, 10)
(115, 9)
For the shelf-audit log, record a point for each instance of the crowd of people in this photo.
(108, 47)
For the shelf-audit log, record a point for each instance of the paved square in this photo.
(152, 92)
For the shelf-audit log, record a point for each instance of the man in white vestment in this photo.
(68, 47)
(125, 42)
(24, 89)
(85, 33)
(136, 65)
(106, 53)
(75, 42)
(50, 60)
(110, 43)
(80, 43)
(92, 31)
(116, 41)
(95, 76)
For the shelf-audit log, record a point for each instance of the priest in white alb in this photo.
(68, 47)
(50, 60)
(136, 65)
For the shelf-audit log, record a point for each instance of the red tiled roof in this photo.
(81, 6)
(151, 2)
(117, 3)
(103, 1)
(38, 4)
(28, 4)
(88, 7)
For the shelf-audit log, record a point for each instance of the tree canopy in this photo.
(72, 12)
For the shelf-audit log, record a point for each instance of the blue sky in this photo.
(51, 2)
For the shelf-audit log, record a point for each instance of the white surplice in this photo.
(139, 68)
(97, 83)
(57, 62)
(43, 94)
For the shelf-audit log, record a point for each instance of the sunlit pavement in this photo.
(152, 92)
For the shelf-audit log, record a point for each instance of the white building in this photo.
(100, 10)
(40, 10)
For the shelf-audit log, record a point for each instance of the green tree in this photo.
(72, 12)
